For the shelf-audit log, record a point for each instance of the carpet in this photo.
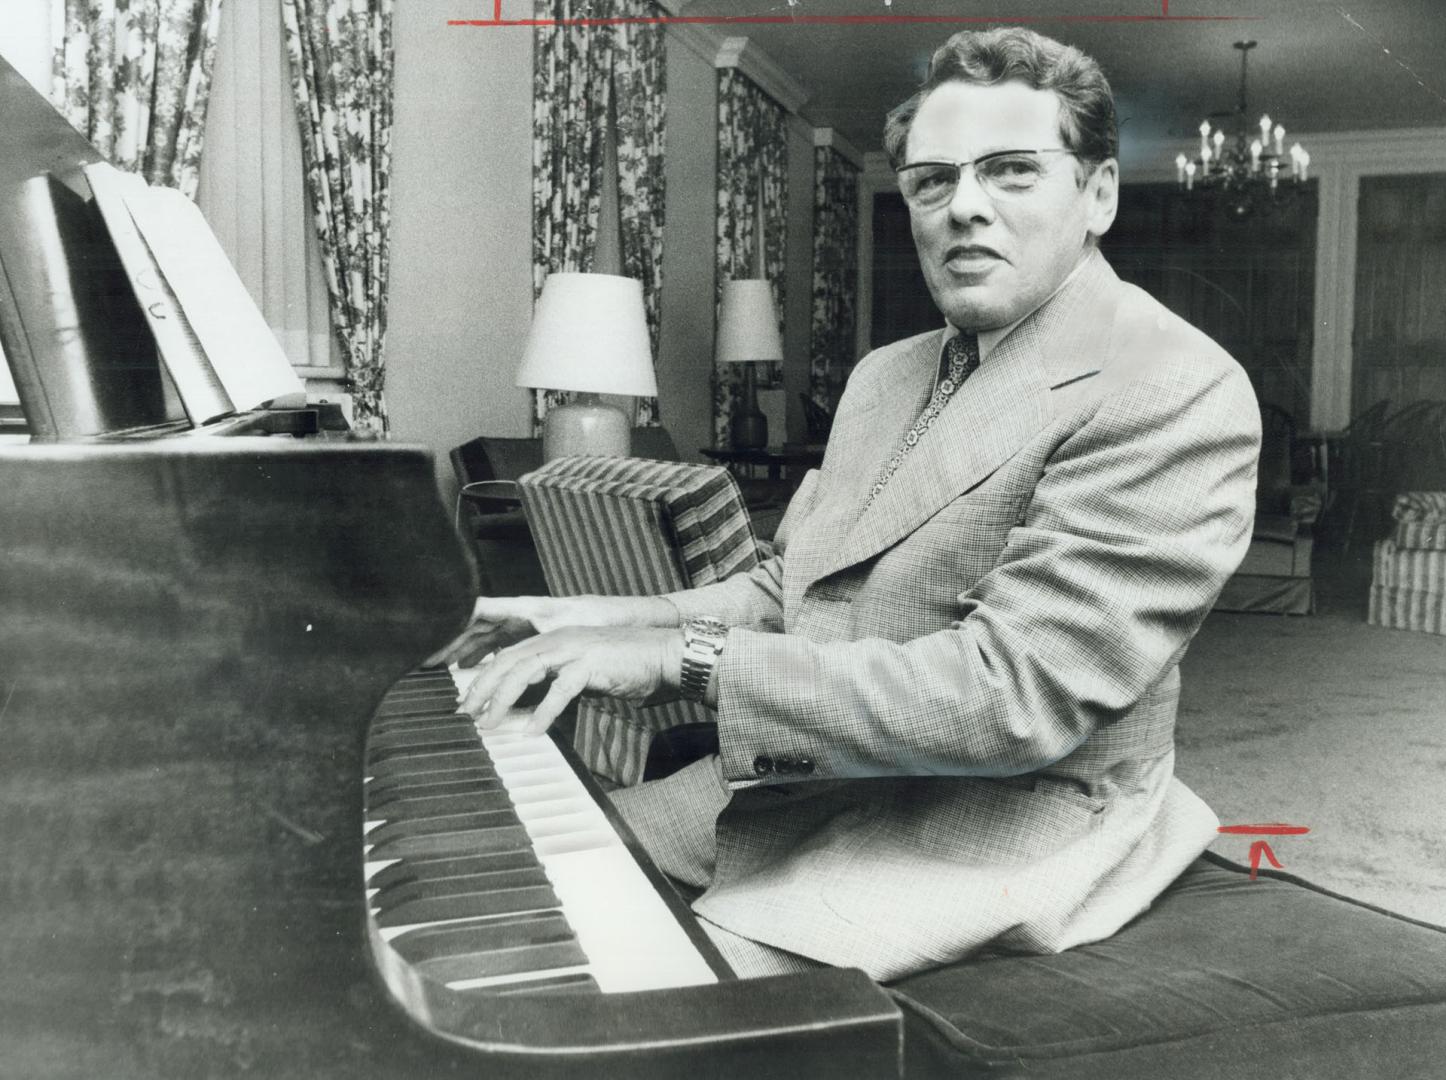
(1327, 722)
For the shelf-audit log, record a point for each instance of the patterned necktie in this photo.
(961, 359)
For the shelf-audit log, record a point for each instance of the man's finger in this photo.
(522, 672)
(570, 682)
(479, 691)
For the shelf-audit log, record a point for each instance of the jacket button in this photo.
(762, 765)
(803, 766)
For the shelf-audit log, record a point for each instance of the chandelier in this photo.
(1244, 171)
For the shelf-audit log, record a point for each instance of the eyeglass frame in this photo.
(960, 166)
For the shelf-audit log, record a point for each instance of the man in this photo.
(946, 707)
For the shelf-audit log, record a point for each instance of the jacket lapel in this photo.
(890, 397)
(1002, 406)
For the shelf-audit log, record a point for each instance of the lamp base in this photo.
(748, 431)
(589, 428)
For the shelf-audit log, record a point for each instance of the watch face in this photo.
(708, 627)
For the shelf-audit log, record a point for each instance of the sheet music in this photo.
(201, 391)
(220, 321)
(8, 394)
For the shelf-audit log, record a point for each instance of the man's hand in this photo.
(498, 622)
(635, 663)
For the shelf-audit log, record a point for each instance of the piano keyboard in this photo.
(489, 865)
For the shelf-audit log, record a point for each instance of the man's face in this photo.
(990, 259)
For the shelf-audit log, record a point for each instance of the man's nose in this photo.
(971, 202)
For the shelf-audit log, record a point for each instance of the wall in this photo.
(461, 294)
(685, 348)
(461, 242)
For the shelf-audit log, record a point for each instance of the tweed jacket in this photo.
(948, 714)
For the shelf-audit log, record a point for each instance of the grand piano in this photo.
(240, 834)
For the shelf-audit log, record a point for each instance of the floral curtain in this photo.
(134, 77)
(752, 186)
(640, 91)
(341, 73)
(584, 78)
(835, 273)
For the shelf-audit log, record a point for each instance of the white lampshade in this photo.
(589, 333)
(748, 324)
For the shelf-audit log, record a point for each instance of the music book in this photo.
(214, 342)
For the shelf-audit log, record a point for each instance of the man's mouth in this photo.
(970, 258)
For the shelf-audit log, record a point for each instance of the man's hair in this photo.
(1013, 53)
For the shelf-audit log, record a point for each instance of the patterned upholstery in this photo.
(631, 527)
(1408, 580)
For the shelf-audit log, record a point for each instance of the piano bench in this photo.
(1222, 977)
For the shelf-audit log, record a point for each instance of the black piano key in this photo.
(378, 801)
(480, 896)
(439, 761)
(442, 713)
(440, 692)
(478, 840)
(420, 676)
(379, 756)
(577, 983)
(409, 723)
(414, 704)
(379, 791)
(534, 942)
(442, 823)
(421, 808)
(385, 733)
(499, 878)
(441, 868)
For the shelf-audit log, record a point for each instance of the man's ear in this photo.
(1102, 189)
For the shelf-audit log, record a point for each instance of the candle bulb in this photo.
(1205, 159)
(1204, 134)
(1279, 139)
(1295, 152)
(1255, 148)
(1304, 163)
(1180, 163)
(1264, 130)
(1190, 177)
(1218, 140)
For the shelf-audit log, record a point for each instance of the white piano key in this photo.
(631, 938)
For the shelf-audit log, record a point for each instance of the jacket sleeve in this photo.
(1140, 516)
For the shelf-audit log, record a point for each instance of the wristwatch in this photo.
(703, 640)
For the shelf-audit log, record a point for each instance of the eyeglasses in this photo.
(929, 184)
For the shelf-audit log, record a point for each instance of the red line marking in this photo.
(1270, 829)
(842, 20)
(1257, 849)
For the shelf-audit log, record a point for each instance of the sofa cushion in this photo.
(1223, 976)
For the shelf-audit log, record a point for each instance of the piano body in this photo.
(203, 828)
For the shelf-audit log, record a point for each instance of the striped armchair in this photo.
(631, 527)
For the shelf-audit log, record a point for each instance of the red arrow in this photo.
(1257, 849)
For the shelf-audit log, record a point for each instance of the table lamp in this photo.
(589, 334)
(748, 335)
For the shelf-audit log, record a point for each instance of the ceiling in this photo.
(1321, 65)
